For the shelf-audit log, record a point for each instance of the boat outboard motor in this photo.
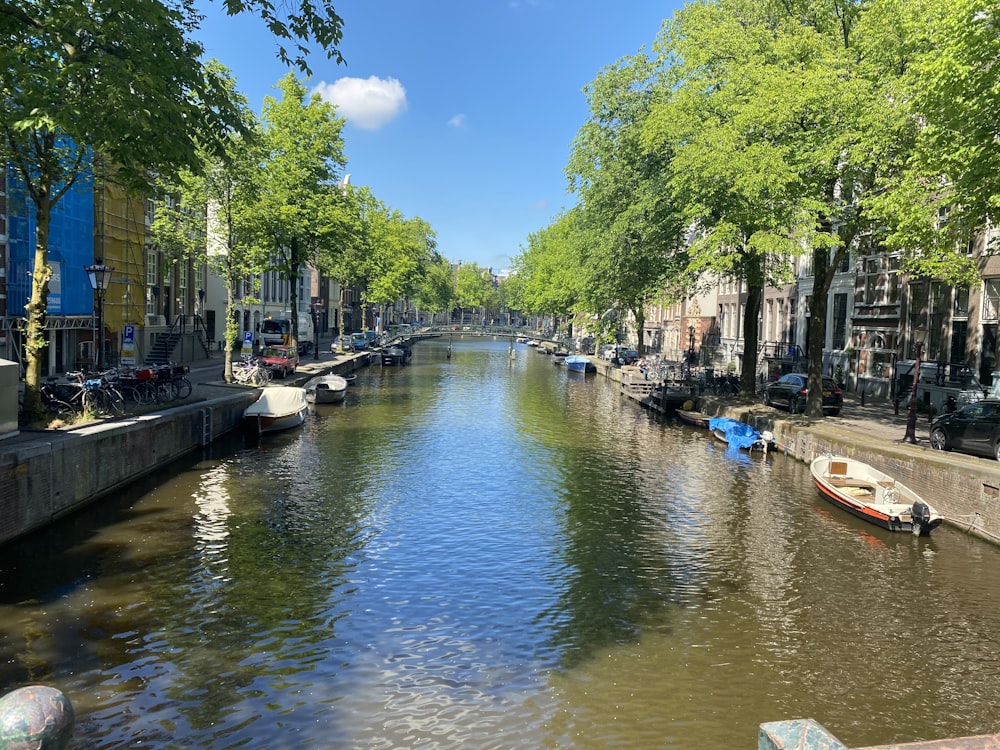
(921, 515)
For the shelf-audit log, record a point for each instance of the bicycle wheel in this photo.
(55, 404)
(93, 402)
(261, 376)
(114, 401)
(166, 390)
(183, 387)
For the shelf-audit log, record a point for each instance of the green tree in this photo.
(295, 24)
(549, 276)
(79, 79)
(803, 111)
(301, 214)
(400, 252)
(630, 227)
(436, 290)
(945, 187)
(211, 216)
(473, 285)
(731, 177)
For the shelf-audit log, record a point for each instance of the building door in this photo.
(987, 362)
(959, 331)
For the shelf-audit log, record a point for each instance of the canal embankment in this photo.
(47, 474)
(965, 489)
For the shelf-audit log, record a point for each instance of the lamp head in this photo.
(99, 275)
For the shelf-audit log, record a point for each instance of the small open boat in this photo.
(326, 389)
(740, 434)
(872, 495)
(277, 408)
(695, 418)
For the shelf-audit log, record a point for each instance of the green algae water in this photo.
(480, 552)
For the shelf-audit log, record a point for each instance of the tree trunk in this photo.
(817, 328)
(293, 294)
(751, 315)
(35, 343)
(754, 268)
(640, 323)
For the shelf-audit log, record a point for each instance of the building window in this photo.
(991, 300)
(839, 321)
(151, 282)
(961, 302)
(182, 288)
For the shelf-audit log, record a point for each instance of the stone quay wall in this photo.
(46, 475)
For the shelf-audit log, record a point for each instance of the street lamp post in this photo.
(691, 344)
(911, 419)
(99, 275)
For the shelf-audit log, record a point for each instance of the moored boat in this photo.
(695, 418)
(579, 363)
(740, 434)
(326, 389)
(872, 495)
(277, 408)
(393, 355)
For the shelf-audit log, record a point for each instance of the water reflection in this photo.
(480, 552)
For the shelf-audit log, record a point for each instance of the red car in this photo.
(283, 360)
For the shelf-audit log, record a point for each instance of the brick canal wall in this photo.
(964, 489)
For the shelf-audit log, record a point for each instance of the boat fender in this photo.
(767, 436)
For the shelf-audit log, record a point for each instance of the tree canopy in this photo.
(300, 212)
(80, 80)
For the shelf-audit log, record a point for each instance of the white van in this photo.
(276, 330)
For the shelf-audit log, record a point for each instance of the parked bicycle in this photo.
(61, 397)
(94, 395)
(251, 372)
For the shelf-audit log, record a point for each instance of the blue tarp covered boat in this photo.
(740, 435)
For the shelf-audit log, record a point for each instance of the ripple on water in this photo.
(483, 553)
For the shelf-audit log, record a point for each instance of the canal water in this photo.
(480, 552)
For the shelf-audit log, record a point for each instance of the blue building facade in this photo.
(71, 248)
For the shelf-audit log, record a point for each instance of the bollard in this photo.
(35, 717)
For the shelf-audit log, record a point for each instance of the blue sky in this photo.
(461, 112)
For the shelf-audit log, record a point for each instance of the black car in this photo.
(792, 390)
(974, 428)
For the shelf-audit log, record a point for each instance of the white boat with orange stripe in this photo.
(873, 495)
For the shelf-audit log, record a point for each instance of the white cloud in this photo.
(458, 121)
(368, 103)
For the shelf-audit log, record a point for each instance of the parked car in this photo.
(627, 356)
(973, 428)
(283, 360)
(359, 341)
(791, 391)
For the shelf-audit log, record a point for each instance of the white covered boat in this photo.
(277, 408)
(326, 389)
(872, 495)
